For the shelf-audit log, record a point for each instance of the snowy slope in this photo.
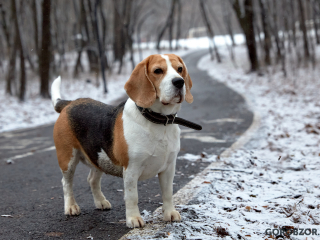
(274, 180)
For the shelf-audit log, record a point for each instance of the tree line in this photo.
(36, 35)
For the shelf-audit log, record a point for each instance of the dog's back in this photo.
(88, 127)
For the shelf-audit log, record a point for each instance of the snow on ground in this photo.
(273, 182)
(37, 111)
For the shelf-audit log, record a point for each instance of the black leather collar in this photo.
(159, 118)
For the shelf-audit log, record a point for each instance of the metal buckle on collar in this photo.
(174, 117)
(167, 120)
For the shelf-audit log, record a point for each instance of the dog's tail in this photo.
(57, 102)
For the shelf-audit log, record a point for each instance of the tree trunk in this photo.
(293, 22)
(35, 25)
(304, 30)
(179, 9)
(267, 37)
(139, 25)
(316, 11)
(104, 35)
(104, 26)
(80, 43)
(45, 54)
(101, 52)
(5, 28)
(118, 42)
(167, 24)
(128, 29)
(227, 20)
(22, 89)
(246, 23)
(171, 22)
(12, 67)
(276, 29)
(209, 29)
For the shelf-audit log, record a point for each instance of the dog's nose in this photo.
(178, 82)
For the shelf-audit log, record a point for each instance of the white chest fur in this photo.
(151, 147)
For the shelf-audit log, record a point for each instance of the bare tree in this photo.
(316, 13)
(101, 52)
(35, 25)
(12, 66)
(179, 10)
(45, 53)
(128, 29)
(11, 43)
(139, 26)
(168, 24)
(246, 22)
(267, 38)
(5, 28)
(209, 29)
(22, 88)
(293, 22)
(118, 40)
(275, 28)
(79, 36)
(304, 29)
(227, 20)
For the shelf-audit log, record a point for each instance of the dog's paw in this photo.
(72, 210)
(104, 204)
(135, 222)
(171, 216)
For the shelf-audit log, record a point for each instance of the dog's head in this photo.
(162, 77)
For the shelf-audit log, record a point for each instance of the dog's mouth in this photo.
(178, 98)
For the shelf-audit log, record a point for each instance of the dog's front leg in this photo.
(133, 217)
(166, 182)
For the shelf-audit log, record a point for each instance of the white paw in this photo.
(72, 210)
(171, 216)
(135, 222)
(104, 204)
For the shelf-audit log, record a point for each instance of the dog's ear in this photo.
(188, 82)
(139, 86)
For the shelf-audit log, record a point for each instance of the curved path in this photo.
(31, 191)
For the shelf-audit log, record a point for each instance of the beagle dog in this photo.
(120, 141)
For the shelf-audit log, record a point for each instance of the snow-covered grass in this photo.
(273, 182)
(37, 111)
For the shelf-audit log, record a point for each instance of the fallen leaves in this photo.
(230, 208)
(222, 232)
(313, 129)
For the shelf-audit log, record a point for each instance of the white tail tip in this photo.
(55, 90)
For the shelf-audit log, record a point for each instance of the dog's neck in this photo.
(158, 107)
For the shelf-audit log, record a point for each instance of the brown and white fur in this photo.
(120, 141)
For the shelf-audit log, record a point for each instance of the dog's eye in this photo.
(158, 71)
(179, 69)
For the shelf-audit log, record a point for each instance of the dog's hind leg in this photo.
(94, 179)
(68, 154)
(70, 205)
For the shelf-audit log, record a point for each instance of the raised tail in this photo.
(57, 102)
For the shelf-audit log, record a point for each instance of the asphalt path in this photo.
(31, 191)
